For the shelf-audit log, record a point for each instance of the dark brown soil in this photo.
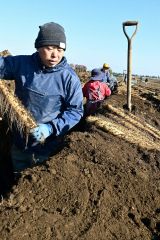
(98, 187)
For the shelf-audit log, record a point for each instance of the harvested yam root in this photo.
(127, 127)
(14, 111)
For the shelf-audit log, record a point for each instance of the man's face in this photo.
(51, 55)
(106, 69)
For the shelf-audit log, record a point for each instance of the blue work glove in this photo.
(41, 132)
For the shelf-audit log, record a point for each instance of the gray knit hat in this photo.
(51, 34)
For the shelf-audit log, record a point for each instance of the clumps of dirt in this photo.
(99, 186)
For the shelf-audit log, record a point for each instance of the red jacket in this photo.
(96, 90)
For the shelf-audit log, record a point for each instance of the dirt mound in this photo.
(104, 184)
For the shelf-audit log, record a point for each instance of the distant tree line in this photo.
(79, 67)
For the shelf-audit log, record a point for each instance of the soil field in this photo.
(104, 184)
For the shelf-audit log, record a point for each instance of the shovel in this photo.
(127, 24)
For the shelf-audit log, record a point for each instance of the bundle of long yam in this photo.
(12, 109)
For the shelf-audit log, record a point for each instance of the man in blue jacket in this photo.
(109, 79)
(49, 89)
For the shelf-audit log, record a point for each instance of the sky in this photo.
(93, 30)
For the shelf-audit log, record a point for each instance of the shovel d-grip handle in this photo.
(127, 24)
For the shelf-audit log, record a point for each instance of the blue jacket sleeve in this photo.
(5, 68)
(73, 111)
